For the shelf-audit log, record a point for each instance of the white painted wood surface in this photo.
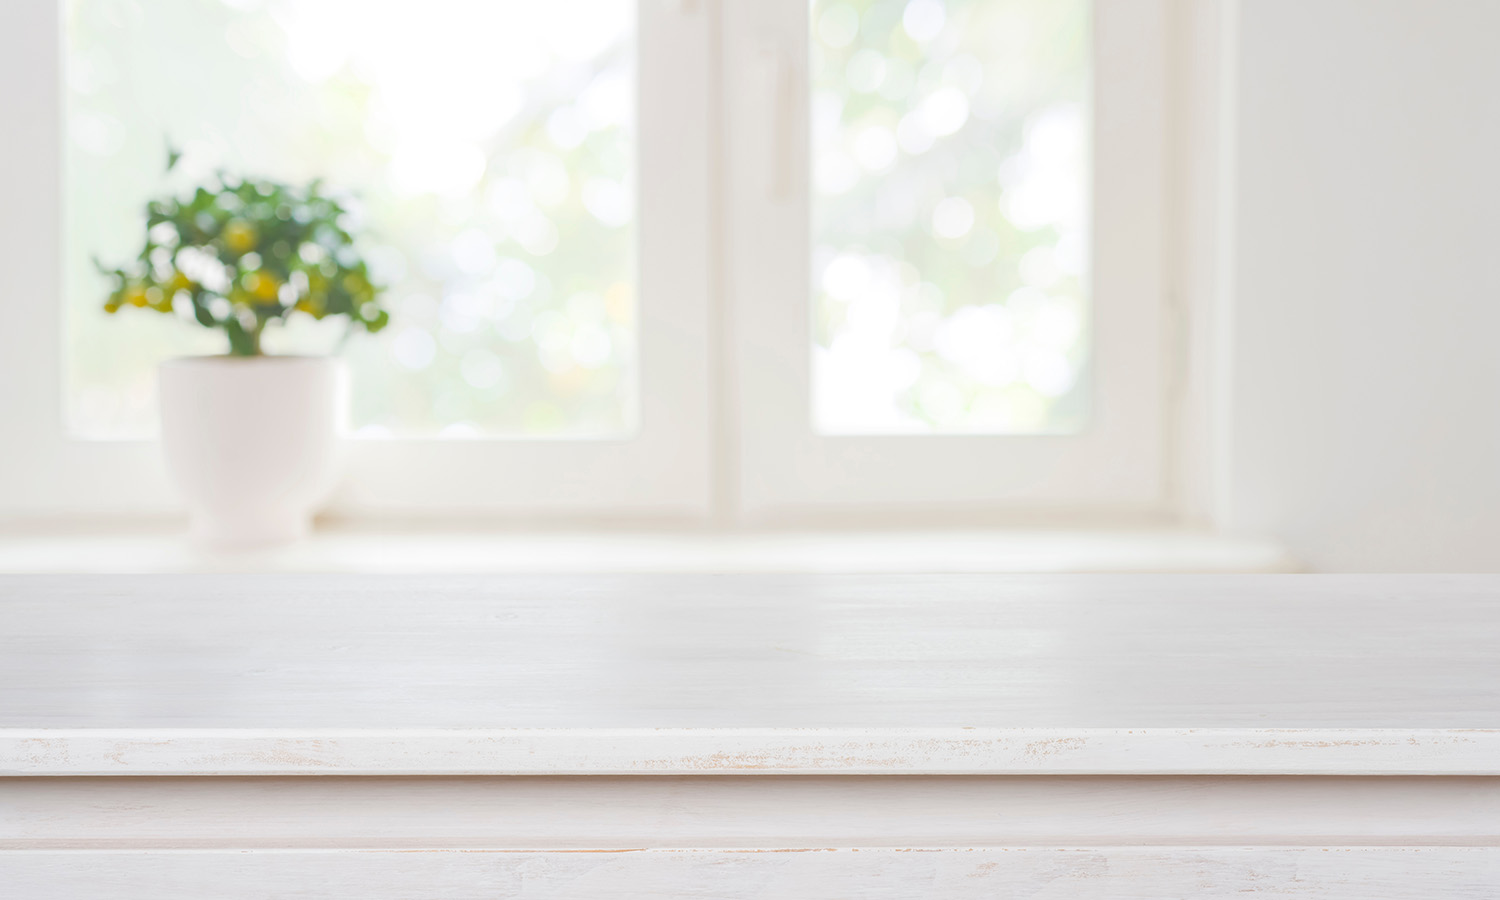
(683, 697)
(743, 812)
(1063, 873)
(701, 674)
(784, 751)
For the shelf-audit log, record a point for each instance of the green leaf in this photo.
(241, 342)
(201, 313)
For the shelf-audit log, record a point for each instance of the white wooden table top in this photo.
(219, 674)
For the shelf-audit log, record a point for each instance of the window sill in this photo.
(793, 552)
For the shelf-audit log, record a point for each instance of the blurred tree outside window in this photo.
(950, 181)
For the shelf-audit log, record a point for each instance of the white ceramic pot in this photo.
(253, 442)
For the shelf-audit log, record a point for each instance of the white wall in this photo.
(1365, 341)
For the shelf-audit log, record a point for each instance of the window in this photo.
(605, 389)
(1087, 428)
(780, 259)
(950, 216)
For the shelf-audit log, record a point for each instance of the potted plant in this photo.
(252, 440)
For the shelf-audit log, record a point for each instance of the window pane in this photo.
(950, 215)
(491, 146)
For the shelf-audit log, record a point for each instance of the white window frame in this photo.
(661, 470)
(786, 470)
(725, 335)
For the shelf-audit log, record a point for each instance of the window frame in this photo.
(725, 336)
(663, 469)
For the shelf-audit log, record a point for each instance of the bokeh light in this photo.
(950, 216)
(491, 144)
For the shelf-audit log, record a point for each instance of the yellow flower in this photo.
(262, 286)
(312, 306)
(135, 295)
(240, 236)
(179, 282)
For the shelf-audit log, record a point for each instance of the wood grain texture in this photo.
(774, 751)
(1094, 873)
(742, 812)
(692, 674)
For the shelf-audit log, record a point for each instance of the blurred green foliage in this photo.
(241, 254)
(950, 215)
